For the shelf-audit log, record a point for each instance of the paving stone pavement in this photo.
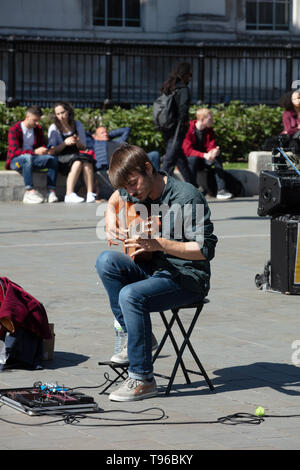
(244, 337)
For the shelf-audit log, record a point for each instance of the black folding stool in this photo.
(186, 342)
(119, 369)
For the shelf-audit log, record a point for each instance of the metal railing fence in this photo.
(85, 73)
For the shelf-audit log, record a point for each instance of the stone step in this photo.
(248, 178)
(12, 183)
(258, 161)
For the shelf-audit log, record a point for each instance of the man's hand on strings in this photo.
(142, 245)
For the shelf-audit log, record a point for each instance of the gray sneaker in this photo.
(122, 357)
(133, 389)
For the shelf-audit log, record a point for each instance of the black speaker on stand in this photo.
(279, 193)
(285, 254)
(279, 198)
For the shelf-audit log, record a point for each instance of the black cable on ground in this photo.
(75, 419)
(229, 420)
(71, 417)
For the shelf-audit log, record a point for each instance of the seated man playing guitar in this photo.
(170, 262)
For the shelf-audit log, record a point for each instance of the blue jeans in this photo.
(134, 292)
(27, 163)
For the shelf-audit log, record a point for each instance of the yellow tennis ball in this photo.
(260, 411)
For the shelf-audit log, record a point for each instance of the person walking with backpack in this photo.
(177, 84)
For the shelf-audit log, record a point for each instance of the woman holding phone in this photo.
(67, 138)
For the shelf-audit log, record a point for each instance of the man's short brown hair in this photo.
(36, 110)
(126, 160)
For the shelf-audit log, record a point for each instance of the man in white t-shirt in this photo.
(27, 151)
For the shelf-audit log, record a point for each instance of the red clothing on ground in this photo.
(23, 310)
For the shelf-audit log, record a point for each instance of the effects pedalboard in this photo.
(46, 399)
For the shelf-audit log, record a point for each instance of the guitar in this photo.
(136, 220)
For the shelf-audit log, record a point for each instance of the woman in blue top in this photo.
(68, 138)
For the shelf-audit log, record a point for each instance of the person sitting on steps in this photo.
(104, 143)
(67, 139)
(27, 151)
(200, 147)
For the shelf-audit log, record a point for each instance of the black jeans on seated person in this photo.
(198, 164)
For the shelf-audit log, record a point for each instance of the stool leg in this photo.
(180, 352)
(175, 345)
(165, 336)
(186, 335)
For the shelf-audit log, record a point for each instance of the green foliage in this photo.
(240, 129)
(140, 122)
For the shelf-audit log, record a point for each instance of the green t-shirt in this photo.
(185, 216)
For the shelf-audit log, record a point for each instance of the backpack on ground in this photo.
(164, 112)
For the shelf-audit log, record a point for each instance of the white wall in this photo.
(61, 17)
(160, 16)
(162, 20)
(296, 16)
(206, 7)
(49, 14)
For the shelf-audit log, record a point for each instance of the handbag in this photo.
(71, 154)
(65, 161)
